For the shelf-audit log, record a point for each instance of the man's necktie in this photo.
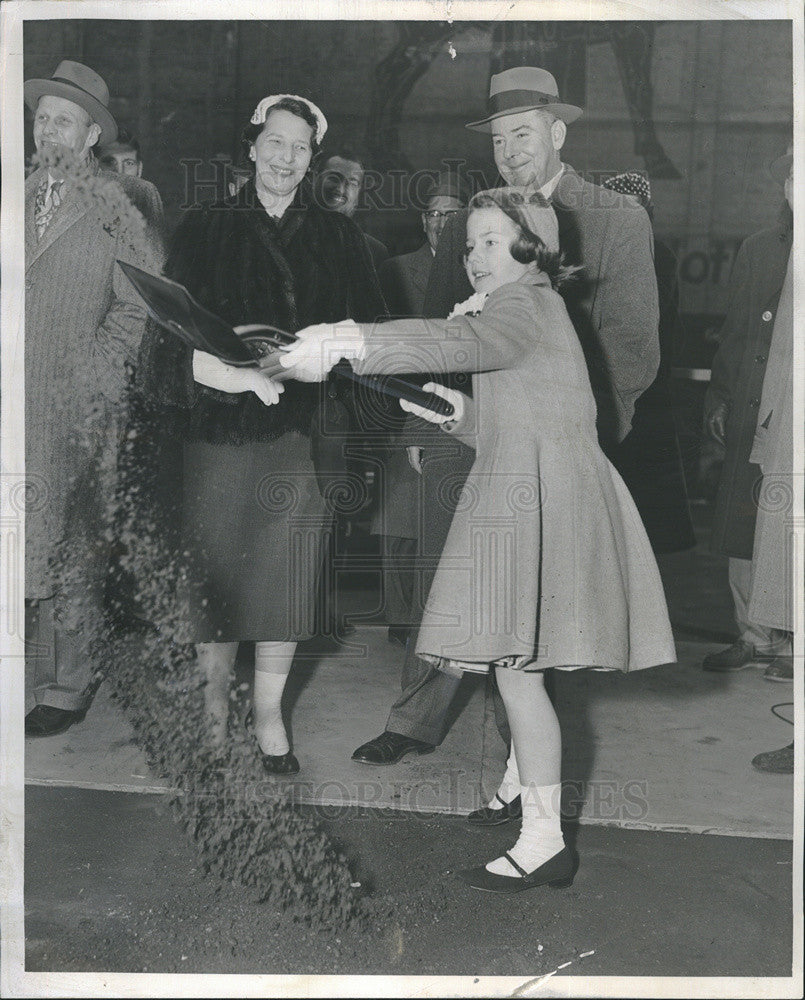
(46, 205)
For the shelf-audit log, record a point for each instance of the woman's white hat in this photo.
(262, 109)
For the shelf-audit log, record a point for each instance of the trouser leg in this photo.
(61, 668)
(765, 640)
(399, 578)
(421, 710)
(427, 693)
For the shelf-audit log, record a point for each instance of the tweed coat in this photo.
(547, 562)
(614, 307)
(83, 324)
(737, 380)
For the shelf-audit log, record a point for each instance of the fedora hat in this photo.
(780, 167)
(77, 83)
(524, 88)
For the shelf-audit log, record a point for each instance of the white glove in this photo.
(211, 371)
(415, 456)
(451, 395)
(319, 348)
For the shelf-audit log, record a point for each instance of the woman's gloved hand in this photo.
(451, 395)
(211, 371)
(318, 349)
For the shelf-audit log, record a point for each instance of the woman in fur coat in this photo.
(253, 514)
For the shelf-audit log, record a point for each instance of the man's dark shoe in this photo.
(390, 748)
(399, 634)
(736, 657)
(44, 720)
(775, 761)
(489, 816)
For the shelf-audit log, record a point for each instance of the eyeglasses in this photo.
(434, 213)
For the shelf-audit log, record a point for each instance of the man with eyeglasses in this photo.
(404, 279)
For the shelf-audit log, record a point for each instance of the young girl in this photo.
(547, 563)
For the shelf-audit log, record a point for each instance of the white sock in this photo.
(271, 668)
(540, 834)
(509, 786)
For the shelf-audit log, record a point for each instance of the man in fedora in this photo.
(614, 309)
(83, 324)
(739, 410)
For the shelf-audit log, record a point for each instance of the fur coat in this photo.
(310, 266)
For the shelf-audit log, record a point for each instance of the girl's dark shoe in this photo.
(557, 872)
(489, 816)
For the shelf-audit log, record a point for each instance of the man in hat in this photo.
(83, 324)
(614, 309)
(739, 412)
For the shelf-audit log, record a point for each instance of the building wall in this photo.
(722, 111)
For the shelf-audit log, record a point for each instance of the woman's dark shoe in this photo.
(557, 872)
(489, 816)
(45, 720)
(283, 763)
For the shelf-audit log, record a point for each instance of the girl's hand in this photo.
(211, 371)
(451, 395)
(319, 349)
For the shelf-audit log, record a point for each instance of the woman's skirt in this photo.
(253, 522)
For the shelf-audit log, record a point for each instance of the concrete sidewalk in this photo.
(667, 748)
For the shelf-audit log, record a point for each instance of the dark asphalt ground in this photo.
(113, 885)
